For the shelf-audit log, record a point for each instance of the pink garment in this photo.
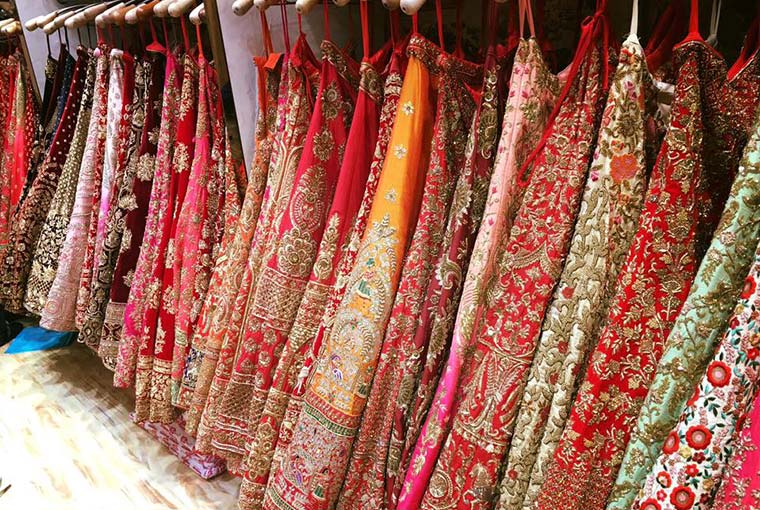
(113, 119)
(60, 308)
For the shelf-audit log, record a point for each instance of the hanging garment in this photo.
(233, 184)
(458, 174)
(199, 226)
(158, 330)
(470, 437)
(22, 127)
(296, 97)
(144, 292)
(30, 216)
(676, 221)
(349, 194)
(64, 72)
(312, 454)
(230, 265)
(609, 214)
(729, 113)
(8, 72)
(740, 485)
(53, 231)
(686, 476)
(60, 307)
(283, 279)
(99, 214)
(129, 133)
(137, 210)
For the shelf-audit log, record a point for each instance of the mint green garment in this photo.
(698, 328)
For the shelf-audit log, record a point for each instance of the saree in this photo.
(30, 216)
(137, 205)
(730, 105)
(284, 277)
(651, 287)
(611, 205)
(471, 419)
(159, 314)
(297, 93)
(227, 276)
(8, 72)
(349, 193)
(60, 307)
(130, 130)
(53, 231)
(310, 462)
(456, 114)
(99, 215)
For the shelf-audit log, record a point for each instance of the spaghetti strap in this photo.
(266, 33)
(185, 36)
(634, 19)
(364, 15)
(439, 22)
(327, 21)
(712, 38)
(285, 27)
(526, 13)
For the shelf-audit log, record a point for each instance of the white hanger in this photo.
(198, 15)
(411, 7)
(241, 7)
(180, 7)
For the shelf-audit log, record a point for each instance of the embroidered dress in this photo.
(22, 127)
(349, 191)
(693, 339)
(443, 198)
(676, 221)
(740, 484)
(309, 465)
(612, 201)
(137, 210)
(694, 454)
(230, 266)
(60, 308)
(144, 292)
(283, 279)
(159, 314)
(470, 443)
(8, 81)
(130, 130)
(53, 232)
(99, 215)
(198, 226)
(297, 101)
(29, 218)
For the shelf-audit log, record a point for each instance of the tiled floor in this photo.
(66, 442)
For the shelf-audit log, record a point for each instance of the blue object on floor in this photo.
(39, 339)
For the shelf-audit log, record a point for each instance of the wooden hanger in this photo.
(305, 6)
(180, 7)
(262, 5)
(103, 19)
(141, 12)
(241, 7)
(58, 22)
(411, 7)
(198, 15)
(11, 29)
(42, 20)
(161, 9)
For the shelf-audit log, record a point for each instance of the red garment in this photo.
(231, 264)
(160, 317)
(350, 189)
(135, 220)
(473, 444)
(283, 280)
(687, 189)
(28, 218)
(144, 297)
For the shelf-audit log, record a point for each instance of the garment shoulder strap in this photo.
(712, 38)
(634, 31)
(526, 13)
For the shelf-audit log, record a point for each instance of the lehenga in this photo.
(312, 455)
(349, 191)
(611, 205)
(469, 436)
(60, 306)
(137, 210)
(29, 218)
(730, 105)
(674, 227)
(284, 276)
(53, 231)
